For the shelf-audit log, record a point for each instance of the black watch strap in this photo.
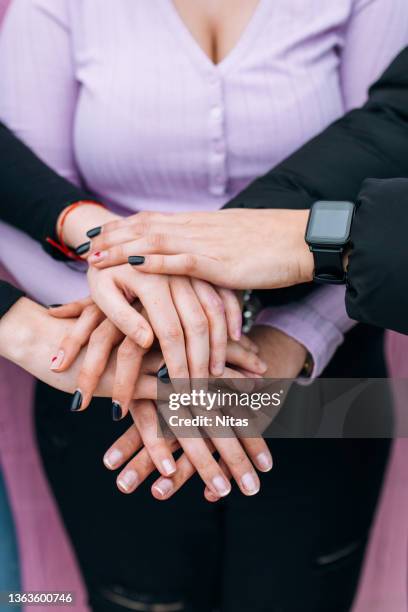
(328, 265)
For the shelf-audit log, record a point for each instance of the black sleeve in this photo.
(32, 195)
(8, 297)
(368, 142)
(377, 291)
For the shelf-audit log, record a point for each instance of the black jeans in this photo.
(296, 546)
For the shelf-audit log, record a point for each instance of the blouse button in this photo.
(216, 113)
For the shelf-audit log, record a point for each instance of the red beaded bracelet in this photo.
(60, 245)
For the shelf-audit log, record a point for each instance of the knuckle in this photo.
(199, 326)
(173, 333)
(190, 263)
(236, 460)
(156, 241)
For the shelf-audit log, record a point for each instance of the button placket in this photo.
(217, 160)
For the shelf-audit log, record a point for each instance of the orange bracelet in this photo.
(60, 245)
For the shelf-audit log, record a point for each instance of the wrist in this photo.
(80, 220)
(305, 261)
(19, 328)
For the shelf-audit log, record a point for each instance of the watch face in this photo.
(330, 223)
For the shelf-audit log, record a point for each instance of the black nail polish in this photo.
(54, 306)
(94, 232)
(136, 260)
(83, 248)
(76, 401)
(163, 375)
(116, 411)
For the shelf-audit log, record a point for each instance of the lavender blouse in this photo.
(119, 95)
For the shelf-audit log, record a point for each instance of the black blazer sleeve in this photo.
(368, 142)
(377, 291)
(8, 297)
(31, 194)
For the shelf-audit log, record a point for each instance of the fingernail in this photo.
(163, 375)
(221, 485)
(98, 256)
(136, 260)
(168, 466)
(250, 484)
(142, 338)
(116, 411)
(54, 306)
(261, 365)
(94, 232)
(264, 461)
(76, 401)
(113, 458)
(128, 481)
(164, 486)
(238, 333)
(56, 361)
(83, 248)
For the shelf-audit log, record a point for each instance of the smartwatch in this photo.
(328, 237)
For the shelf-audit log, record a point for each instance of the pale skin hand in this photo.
(100, 337)
(235, 248)
(285, 358)
(28, 334)
(191, 319)
(80, 220)
(237, 454)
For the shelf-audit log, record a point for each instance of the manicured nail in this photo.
(76, 401)
(116, 411)
(163, 374)
(128, 481)
(221, 485)
(113, 458)
(136, 260)
(264, 461)
(238, 333)
(168, 467)
(83, 248)
(164, 487)
(98, 256)
(250, 484)
(94, 232)
(56, 361)
(54, 306)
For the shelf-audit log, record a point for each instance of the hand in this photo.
(80, 220)
(100, 337)
(283, 355)
(190, 318)
(235, 248)
(236, 457)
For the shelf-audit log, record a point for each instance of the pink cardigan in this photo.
(47, 559)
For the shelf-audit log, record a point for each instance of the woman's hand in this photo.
(238, 458)
(235, 248)
(100, 338)
(79, 221)
(191, 319)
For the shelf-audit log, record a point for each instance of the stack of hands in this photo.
(161, 295)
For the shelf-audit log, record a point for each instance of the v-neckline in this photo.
(194, 47)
